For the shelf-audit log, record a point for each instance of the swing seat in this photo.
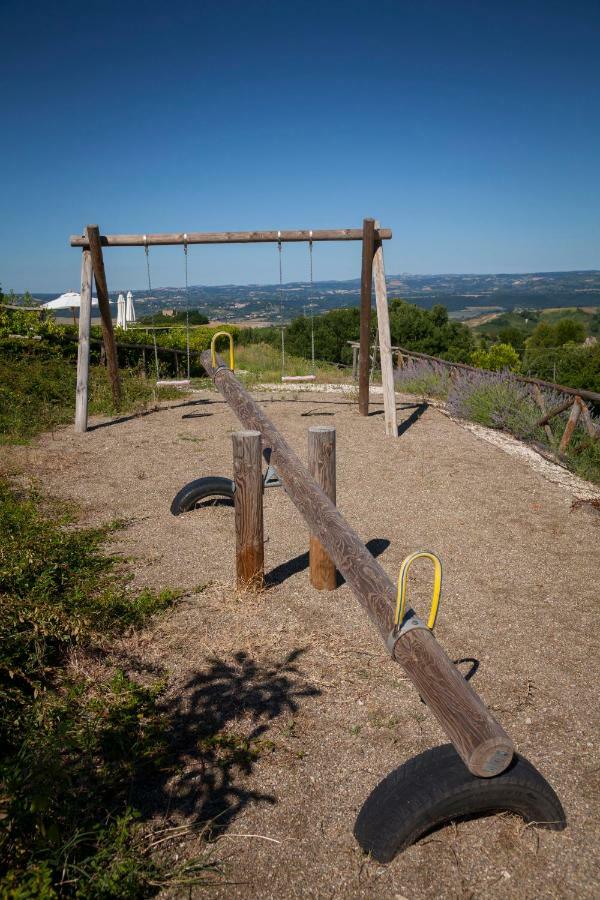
(298, 377)
(175, 382)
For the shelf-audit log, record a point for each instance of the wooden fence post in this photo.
(83, 349)
(108, 335)
(385, 342)
(321, 465)
(571, 425)
(366, 287)
(248, 499)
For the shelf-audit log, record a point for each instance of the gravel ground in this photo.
(302, 675)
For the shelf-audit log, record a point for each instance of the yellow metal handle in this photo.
(403, 581)
(213, 351)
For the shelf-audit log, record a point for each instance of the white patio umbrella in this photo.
(130, 310)
(71, 300)
(121, 320)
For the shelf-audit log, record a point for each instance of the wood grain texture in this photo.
(108, 335)
(321, 466)
(479, 739)
(592, 430)
(366, 288)
(248, 499)
(83, 348)
(539, 399)
(385, 342)
(570, 426)
(229, 237)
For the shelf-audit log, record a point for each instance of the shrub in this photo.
(69, 747)
(497, 358)
(497, 401)
(427, 379)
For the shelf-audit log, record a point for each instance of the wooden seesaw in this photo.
(480, 772)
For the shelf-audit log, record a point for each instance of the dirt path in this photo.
(326, 724)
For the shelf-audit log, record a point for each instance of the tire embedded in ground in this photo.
(201, 492)
(436, 787)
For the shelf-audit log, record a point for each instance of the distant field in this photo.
(492, 323)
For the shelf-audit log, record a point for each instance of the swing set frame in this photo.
(371, 235)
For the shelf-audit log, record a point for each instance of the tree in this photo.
(569, 330)
(513, 336)
(497, 358)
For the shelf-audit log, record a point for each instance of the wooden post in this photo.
(385, 342)
(354, 363)
(571, 425)
(366, 286)
(248, 497)
(83, 350)
(479, 739)
(108, 335)
(321, 465)
(592, 430)
(539, 399)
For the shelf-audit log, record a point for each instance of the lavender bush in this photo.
(495, 399)
(423, 378)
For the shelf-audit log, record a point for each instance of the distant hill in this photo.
(463, 295)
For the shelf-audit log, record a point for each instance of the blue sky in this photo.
(471, 128)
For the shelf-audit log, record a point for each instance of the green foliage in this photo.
(546, 334)
(24, 323)
(194, 316)
(429, 331)
(70, 748)
(574, 365)
(514, 336)
(37, 393)
(497, 358)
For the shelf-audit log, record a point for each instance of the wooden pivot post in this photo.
(248, 499)
(479, 739)
(571, 425)
(83, 350)
(321, 465)
(385, 341)
(108, 335)
(366, 286)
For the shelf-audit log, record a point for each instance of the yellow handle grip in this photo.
(403, 581)
(213, 350)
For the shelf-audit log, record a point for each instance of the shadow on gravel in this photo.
(286, 570)
(217, 723)
(412, 419)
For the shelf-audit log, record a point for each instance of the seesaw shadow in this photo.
(283, 571)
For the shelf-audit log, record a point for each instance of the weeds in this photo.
(71, 748)
(37, 393)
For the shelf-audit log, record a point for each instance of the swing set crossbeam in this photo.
(229, 237)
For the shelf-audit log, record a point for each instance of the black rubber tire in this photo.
(436, 787)
(192, 494)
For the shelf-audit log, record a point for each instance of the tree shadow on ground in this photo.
(217, 721)
(285, 570)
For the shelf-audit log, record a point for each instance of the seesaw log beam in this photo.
(479, 739)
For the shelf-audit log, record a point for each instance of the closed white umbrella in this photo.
(130, 311)
(121, 320)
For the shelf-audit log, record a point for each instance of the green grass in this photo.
(262, 362)
(37, 394)
(71, 747)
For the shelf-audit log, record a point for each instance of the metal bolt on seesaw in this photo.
(479, 771)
